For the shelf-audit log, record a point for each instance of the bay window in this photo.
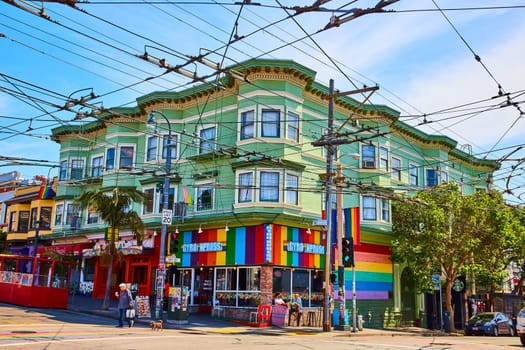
(245, 187)
(292, 126)
(270, 123)
(269, 186)
(292, 189)
(110, 159)
(369, 208)
(96, 166)
(247, 125)
(126, 157)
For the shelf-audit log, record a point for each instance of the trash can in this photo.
(446, 321)
(360, 322)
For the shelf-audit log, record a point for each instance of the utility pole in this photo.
(328, 206)
(329, 141)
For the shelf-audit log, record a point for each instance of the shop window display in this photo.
(307, 283)
(238, 287)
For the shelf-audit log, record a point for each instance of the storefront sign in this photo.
(202, 247)
(300, 247)
(268, 243)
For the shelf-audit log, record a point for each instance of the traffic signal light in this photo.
(347, 252)
(174, 243)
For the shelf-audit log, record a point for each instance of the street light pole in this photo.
(161, 271)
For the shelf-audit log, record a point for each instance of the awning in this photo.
(65, 249)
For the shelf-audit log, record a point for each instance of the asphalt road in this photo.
(41, 329)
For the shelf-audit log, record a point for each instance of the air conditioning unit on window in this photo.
(369, 164)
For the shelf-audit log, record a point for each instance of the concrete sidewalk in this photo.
(204, 323)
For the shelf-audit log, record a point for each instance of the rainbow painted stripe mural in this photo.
(253, 245)
(374, 270)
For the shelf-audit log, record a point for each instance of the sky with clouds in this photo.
(412, 52)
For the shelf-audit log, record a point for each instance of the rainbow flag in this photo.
(46, 190)
(353, 224)
(187, 196)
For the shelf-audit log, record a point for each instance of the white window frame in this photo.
(154, 200)
(396, 170)
(62, 175)
(250, 189)
(443, 176)
(411, 175)
(160, 199)
(106, 159)
(202, 140)
(293, 128)
(242, 125)
(90, 215)
(260, 123)
(100, 167)
(148, 148)
(66, 212)
(369, 210)
(198, 187)
(386, 210)
(368, 162)
(436, 175)
(279, 186)
(58, 212)
(383, 162)
(288, 191)
(133, 160)
(174, 145)
(74, 169)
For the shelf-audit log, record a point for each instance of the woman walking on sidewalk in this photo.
(125, 301)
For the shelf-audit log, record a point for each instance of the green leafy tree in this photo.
(438, 230)
(518, 248)
(114, 207)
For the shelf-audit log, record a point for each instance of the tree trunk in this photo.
(105, 304)
(448, 303)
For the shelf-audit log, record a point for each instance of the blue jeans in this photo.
(121, 315)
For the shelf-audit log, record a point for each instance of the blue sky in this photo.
(421, 64)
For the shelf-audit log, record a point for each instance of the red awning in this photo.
(65, 249)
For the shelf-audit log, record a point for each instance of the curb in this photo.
(112, 313)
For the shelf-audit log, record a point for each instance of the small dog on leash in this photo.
(156, 325)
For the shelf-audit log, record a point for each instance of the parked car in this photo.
(490, 323)
(520, 325)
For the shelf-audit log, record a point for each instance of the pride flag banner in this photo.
(46, 190)
(353, 224)
(188, 199)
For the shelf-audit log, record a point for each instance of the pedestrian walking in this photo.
(125, 302)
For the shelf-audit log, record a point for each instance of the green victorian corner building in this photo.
(247, 188)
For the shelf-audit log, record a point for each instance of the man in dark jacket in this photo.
(124, 301)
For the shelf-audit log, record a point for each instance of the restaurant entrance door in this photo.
(204, 288)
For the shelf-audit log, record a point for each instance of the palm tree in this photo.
(114, 208)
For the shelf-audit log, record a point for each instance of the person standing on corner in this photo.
(125, 300)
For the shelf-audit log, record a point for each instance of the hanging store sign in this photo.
(202, 247)
(299, 247)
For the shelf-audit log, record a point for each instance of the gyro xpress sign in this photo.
(299, 247)
(202, 247)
